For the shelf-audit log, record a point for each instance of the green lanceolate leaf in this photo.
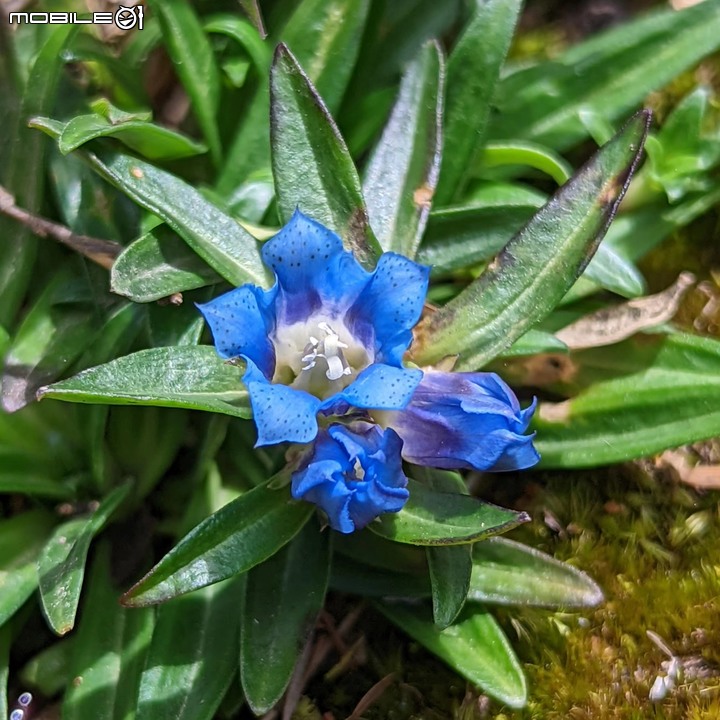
(510, 573)
(663, 391)
(534, 155)
(351, 576)
(608, 75)
(474, 646)
(213, 235)
(252, 10)
(193, 59)
(21, 539)
(153, 141)
(49, 671)
(324, 35)
(245, 34)
(23, 174)
(192, 377)
(237, 537)
(539, 264)
(108, 651)
(187, 673)
(274, 633)
(59, 327)
(472, 72)
(450, 569)
(22, 473)
(534, 342)
(159, 264)
(443, 518)
(403, 170)
(61, 565)
(312, 167)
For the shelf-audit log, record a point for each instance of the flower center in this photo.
(317, 356)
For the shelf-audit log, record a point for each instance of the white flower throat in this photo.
(319, 355)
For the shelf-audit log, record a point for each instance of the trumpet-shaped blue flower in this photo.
(328, 339)
(464, 420)
(327, 336)
(353, 473)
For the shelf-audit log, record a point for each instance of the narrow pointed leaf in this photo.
(351, 576)
(252, 9)
(237, 537)
(403, 170)
(194, 62)
(607, 75)
(21, 539)
(185, 376)
(61, 565)
(22, 171)
(472, 73)
(312, 166)
(152, 141)
(187, 673)
(474, 646)
(58, 328)
(441, 518)
(157, 265)
(505, 572)
(108, 651)
(450, 569)
(273, 634)
(664, 393)
(539, 264)
(213, 235)
(324, 35)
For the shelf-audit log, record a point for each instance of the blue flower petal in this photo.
(314, 272)
(389, 306)
(281, 413)
(353, 474)
(465, 420)
(378, 387)
(241, 321)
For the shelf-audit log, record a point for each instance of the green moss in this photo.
(651, 543)
(653, 547)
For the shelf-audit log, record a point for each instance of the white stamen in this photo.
(331, 350)
(359, 470)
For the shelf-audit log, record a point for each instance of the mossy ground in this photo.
(652, 544)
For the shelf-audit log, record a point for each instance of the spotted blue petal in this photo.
(314, 273)
(389, 306)
(281, 413)
(242, 322)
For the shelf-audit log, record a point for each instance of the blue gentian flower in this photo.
(354, 473)
(328, 339)
(327, 336)
(464, 420)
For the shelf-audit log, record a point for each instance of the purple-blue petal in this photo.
(389, 307)
(281, 413)
(378, 387)
(314, 273)
(328, 475)
(241, 322)
(465, 420)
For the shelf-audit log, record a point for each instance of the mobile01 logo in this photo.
(125, 18)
